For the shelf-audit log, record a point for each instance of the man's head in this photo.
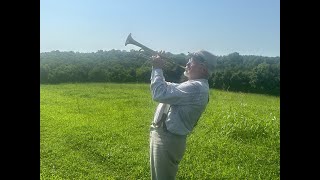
(200, 65)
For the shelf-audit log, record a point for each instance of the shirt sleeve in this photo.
(173, 93)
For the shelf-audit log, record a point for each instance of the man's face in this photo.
(193, 68)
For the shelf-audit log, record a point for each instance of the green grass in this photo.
(101, 131)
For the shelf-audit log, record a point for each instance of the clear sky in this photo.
(249, 27)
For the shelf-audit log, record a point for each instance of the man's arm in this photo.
(164, 92)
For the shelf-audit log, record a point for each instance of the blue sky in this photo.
(249, 27)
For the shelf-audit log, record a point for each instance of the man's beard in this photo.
(185, 73)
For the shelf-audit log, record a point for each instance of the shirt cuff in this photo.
(157, 72)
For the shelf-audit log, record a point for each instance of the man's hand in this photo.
(157, 61)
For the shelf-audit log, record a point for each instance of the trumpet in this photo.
(130, 40)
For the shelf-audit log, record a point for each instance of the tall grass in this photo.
(101, 131)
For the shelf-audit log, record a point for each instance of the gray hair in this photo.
(208, 58)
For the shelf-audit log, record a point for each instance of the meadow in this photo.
(101, 131)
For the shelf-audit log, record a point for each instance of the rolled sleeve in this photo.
(172, 93)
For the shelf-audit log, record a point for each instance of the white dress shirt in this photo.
(187, 101)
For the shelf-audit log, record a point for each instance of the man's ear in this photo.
(204, 69)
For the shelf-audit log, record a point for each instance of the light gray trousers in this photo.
(166, 152)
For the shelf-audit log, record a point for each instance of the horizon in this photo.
(166, 52)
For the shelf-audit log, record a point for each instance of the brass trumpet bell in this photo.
(130, 40)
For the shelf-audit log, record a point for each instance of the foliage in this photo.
(234, 72)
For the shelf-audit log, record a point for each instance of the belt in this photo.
(163, 125)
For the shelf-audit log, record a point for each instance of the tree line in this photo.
(234, 72)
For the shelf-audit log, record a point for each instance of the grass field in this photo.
(101, 131)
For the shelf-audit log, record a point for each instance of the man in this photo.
(180, 107)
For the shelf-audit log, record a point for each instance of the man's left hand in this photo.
(157, 61)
